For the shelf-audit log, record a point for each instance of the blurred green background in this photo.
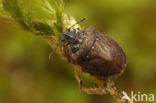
(28, 76)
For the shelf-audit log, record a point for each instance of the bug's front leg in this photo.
(71, 57)
(85, 88)
(66, 52)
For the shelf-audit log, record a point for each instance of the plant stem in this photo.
(109, 86)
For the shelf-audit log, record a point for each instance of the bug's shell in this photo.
(98, 55)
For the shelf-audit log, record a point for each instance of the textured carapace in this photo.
(96, 53)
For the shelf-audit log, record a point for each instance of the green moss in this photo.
(45, 27)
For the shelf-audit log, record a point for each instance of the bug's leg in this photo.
(86, 89)
(75, 48)
(52, 53)
(67, 52)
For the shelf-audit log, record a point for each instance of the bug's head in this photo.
(69, 36)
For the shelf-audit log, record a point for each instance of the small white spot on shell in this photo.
(97, 38)
(92, 47)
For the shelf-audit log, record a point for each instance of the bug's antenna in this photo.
(78, 22)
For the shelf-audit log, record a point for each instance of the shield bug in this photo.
(96, 53)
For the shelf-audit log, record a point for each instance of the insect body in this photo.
(96, 53)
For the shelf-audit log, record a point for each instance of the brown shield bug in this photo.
(96, 53)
